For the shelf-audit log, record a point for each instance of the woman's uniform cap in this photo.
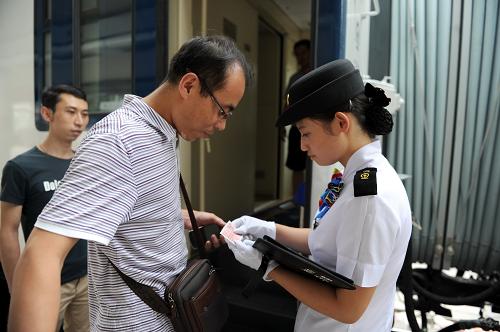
(322, 90)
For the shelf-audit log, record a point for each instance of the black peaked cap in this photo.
(321, 90)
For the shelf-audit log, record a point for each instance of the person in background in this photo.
(28, 183)
(296, 158)
(121, 193)
(363, 224)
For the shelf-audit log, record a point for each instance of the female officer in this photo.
(363, 224)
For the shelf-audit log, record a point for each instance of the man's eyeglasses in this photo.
(222, 113)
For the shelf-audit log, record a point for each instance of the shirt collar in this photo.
(139, 107)
(361, 158)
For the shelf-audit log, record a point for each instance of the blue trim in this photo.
(144, 47)
(62, 42)
(330, 30)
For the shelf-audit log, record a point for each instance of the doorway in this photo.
(268, 160)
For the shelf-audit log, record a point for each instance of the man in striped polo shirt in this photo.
(121, 193)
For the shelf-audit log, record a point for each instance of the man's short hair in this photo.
(302, 43)
(52, 95)
(209, 58)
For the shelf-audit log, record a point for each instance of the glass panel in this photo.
(106, 52)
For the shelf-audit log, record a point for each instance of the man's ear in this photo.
(46, 113)
(343, 122)
(187, 83)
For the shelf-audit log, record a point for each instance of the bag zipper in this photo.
(178, 281)
(173, 310)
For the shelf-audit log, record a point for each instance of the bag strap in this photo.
(146, 293)
(194, 224)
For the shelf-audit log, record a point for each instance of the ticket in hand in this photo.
(228, 232)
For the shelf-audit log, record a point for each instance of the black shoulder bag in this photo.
(194, 302)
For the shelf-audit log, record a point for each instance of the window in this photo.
(108, 48)
(105, 52)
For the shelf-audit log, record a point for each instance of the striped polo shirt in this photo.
(121, 193)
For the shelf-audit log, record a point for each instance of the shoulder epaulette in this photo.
(365, 182)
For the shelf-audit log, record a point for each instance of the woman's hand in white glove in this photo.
(254, 227)
(245, 253)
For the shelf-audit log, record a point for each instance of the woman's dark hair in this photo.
(52, 95)
(209, 58)
(369, 109)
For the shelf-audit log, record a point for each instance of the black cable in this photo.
(487, 324)
(470, 300)
(405, 285)
(423, 316)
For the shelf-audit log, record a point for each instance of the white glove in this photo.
(254, 227)
(271, 266)
(245, 253)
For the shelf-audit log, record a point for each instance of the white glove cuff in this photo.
(270, 266)
(271, 230)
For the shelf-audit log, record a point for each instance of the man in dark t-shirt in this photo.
(28, 183)
(296, 158)
(4, 302)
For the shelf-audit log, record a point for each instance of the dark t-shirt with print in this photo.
(30, 180)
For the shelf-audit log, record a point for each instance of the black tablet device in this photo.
(297, 262)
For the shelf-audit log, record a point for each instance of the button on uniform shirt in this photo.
(121, 193)
(363, 238)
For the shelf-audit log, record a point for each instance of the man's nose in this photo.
(79, 119)
(220, 125)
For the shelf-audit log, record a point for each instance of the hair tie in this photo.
(376, 96)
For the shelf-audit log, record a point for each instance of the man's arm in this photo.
(10, 218)
(36, 283)
(202, 218)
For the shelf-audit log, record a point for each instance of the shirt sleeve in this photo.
(365, 243)
(14, 184)
(97, 193)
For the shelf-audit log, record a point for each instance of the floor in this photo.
(437, 322)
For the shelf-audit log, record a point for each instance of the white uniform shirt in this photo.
(363, 238)
(121, 193)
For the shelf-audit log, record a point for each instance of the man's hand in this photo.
(205, 218)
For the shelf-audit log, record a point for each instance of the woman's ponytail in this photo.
(378, 119)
